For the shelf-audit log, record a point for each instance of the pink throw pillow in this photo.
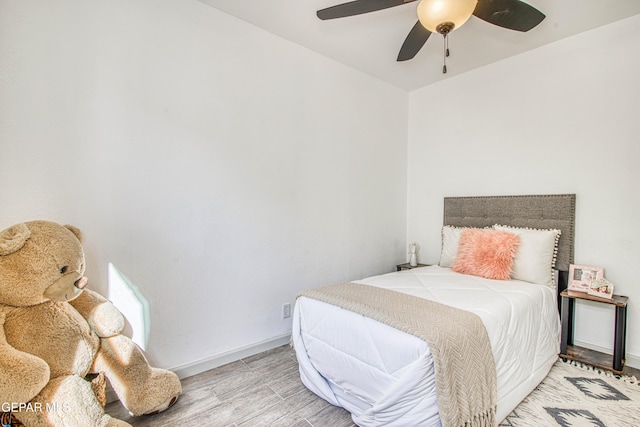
(486, 253)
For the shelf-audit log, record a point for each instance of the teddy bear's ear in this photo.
(14, 238)
(75, 231)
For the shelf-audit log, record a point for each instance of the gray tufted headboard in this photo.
(555, 211)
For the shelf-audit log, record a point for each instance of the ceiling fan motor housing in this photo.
(445, 28)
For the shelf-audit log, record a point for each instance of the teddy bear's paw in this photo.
(163, 407)
(154, 394)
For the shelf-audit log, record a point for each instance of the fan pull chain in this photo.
(445, 54)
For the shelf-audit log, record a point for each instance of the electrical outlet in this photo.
(286, 310)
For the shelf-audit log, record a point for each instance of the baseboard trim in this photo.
(630, 359)
(199, 366)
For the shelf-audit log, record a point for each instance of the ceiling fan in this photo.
(443, 16)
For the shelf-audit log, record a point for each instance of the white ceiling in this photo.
(370, 42)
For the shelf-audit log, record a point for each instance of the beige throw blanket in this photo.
(464, 366)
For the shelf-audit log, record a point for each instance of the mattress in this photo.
(385, 377)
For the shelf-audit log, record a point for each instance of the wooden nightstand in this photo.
(591, 357)
(407, 266)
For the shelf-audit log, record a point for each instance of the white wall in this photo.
(222, 169)
(219, 168)
(560, 119)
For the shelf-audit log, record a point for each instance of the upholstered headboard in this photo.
(556, 211)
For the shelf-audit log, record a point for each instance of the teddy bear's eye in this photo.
(64, 269)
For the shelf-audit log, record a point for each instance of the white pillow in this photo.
(536, 254)
(450, 241)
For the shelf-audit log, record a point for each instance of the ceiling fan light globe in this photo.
(433, 13)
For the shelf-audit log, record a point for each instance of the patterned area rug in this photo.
(576, 396)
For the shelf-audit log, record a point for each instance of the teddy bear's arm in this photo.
(103, 317)
(22, 375)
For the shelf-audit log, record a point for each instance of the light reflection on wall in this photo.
(135, 308)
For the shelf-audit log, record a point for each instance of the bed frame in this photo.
(555, 211)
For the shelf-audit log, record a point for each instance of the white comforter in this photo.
(384, 377)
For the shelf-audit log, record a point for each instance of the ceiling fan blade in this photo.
(512, 14)
(358, 7)
(416, 38)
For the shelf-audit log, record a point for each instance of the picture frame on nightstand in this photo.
(601, 288)
(581, 276)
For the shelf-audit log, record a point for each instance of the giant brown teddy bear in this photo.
(54, 332)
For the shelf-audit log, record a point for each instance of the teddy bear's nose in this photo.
(81, 283)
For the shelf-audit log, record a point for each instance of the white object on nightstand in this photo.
(413, 251)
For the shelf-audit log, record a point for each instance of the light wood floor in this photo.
(261, 390)
(632, 372)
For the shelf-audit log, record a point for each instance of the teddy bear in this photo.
(54, 332)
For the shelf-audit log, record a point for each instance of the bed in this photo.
(384, 372)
